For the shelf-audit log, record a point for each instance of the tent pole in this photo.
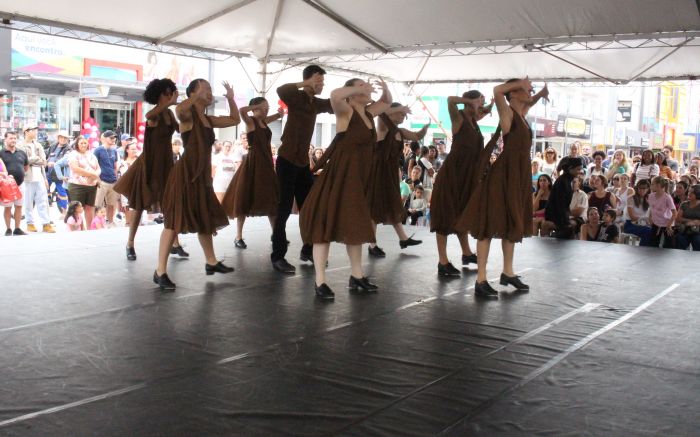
(266, 60)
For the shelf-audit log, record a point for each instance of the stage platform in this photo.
(607, 342)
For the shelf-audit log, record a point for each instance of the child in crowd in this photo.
(100, 220)
(74, 216)
(662, 212)
(418, 205)
(610, 232)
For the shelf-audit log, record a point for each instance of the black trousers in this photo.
(294, 183)
(414, 216)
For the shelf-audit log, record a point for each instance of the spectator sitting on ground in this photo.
(540, 226)
(535, 167)
(315, 156)
(591, 230)
(680, 193)
(99, 221)
(610, 232)
(637, 214)
(417, 206)
(558, 208)
(623, 192)
(688, 221)
(600, 198)
(74, 216)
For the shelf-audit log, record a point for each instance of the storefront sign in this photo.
(624, 111)
(34, 53)
(573, 127)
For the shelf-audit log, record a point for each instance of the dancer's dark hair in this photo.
(192, 87)
(70, 211)
(472, 94)
(311, 70)
(508, 93)
(256, 101)
(156, 88)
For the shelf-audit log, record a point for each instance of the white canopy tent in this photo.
(402, 40)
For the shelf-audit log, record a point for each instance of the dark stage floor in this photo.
(606, 343)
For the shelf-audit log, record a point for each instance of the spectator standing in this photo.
(223, 166)
(596, 167)
(664, 170)
(16, 164)
(176, 145)
(35, 184)
(672, 163)
(84, 176)
(549, 164)
(56, 153)
(619, 164)
(441, 155)
(108, 160)
(646, 168)
(663, 212)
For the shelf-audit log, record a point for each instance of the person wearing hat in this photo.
(107, 158)
(558, 210)
(35, 184)
(56, 152)
(124, 142)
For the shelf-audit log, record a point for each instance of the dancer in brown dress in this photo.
(253, 190)
(337, 208)
(384, 190)
(501, 206)
(457, 177)
(144, 184)
(189, 203)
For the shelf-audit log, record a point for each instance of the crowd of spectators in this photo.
(78, 179)
(647, 199)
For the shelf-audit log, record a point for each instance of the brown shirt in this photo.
(301, 121)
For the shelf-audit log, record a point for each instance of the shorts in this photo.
(85, 194)
(106, 196)
(18, 202)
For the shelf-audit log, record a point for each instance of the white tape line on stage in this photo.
(560, 357)
(73, 404)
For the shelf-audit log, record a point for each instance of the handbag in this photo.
(9, 191)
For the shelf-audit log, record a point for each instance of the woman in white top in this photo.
(549, 165)
(596, 167)
(646, 169)
(222, 169)
(623, 192)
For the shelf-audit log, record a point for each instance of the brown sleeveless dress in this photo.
(501, 206)
(337, 207)
(144, 184)
(189, 203)
(455, 182)
(384, 190)
(253, 191)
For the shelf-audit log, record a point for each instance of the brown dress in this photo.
(456, 180)
(337, 207)
(189, 203)
(144, 184)
(384, 190)
(253, 191)
(501, 206)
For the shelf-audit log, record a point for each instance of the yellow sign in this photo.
(575, 126)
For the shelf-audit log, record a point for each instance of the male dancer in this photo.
(293, 173)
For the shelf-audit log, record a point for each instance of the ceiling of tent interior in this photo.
(408, 40)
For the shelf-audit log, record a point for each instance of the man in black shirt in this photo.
(17, 164)
(293, 173)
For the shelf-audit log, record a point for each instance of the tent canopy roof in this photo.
(463, 40)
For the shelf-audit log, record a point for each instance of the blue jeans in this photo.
(643, 232)
(685, 240)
